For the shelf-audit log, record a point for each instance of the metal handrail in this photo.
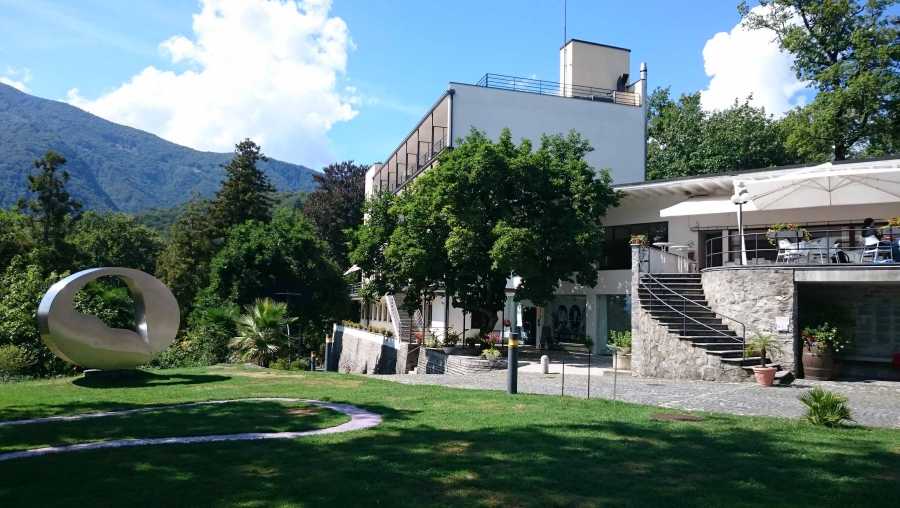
(839, 247)
(542, 87)
(685, 317)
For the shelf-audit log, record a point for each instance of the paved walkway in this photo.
(359, 419)
(874, 403)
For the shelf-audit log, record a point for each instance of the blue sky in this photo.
(384, 62)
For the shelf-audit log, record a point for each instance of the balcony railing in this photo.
(539, 86)
(394, 177)
(814, 247)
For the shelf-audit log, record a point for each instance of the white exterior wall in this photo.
(615, 131)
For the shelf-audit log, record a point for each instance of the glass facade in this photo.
(617, 251)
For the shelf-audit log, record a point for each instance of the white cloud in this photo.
(743, 62)
(16, 78)
(264, 69)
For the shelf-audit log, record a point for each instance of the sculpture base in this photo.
(110, 375)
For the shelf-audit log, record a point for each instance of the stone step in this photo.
(750, 361)
(691, 323)
(672, 298)
(716, 346)
(726, 353)
(672, 275)
(711, 337)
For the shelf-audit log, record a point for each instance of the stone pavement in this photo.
(873, 403)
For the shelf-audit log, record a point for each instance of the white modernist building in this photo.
(595, 96)
(692, 226)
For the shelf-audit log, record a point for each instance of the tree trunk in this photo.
(488, 321)
(840, 152)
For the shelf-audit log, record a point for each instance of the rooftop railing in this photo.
(539, 86)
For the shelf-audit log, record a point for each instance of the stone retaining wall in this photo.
(663, 354)
(363, 352)
(759, 297)
(435, 361)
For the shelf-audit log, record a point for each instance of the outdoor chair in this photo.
(874, 249)
(816, 250)
(787, 251)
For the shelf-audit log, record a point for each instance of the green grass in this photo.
(194, 420)
(438, 447)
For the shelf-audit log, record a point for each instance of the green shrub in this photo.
(491, 354)
(15, 361)
(825, 408)
(23, 285)
(621, 340)
(284, 364)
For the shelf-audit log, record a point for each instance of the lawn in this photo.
(436, 447)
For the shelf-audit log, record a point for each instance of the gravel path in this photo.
(873, 403)
(359, 419)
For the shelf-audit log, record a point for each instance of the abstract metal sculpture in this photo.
(88, 342)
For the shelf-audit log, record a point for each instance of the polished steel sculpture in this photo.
(88, 342)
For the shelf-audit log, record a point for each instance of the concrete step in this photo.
(710, 338)
(750, 361)
(726, 353)
(716, 346)
(672, 275)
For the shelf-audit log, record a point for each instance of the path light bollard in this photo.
(512, 360)
(545, 364)
(329, 352)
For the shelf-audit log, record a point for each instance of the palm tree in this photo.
(261, 332)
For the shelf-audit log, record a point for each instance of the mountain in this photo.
(113, 167)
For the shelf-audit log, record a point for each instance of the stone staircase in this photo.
(677, 302)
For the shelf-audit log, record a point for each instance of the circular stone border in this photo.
(359, 419)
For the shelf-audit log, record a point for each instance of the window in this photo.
(618, 313)
(617, 251)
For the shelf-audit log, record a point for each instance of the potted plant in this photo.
(491, 354)
(820, 343)
(788, 231)
(763, 344)
(620, 341)
(638, 240)
(450, 342)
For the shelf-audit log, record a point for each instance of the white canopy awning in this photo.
(703, 205)
(352, 269)
(826, 185)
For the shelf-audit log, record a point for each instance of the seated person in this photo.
(869, 230)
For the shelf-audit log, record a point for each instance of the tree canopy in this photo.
(685, 140)
(282, 256)
(336, 205)
(51, 209)
(488, 211)
(246, 193)
(849, 50)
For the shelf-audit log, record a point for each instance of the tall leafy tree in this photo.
(246, 193)
(684, 140)
(183, 264)
(282, 256)
(14, 236)
(488, 211)
(336, 205)
(114, 239)
(849, 50)
(51, 209)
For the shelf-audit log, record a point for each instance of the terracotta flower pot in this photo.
(765, 376)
